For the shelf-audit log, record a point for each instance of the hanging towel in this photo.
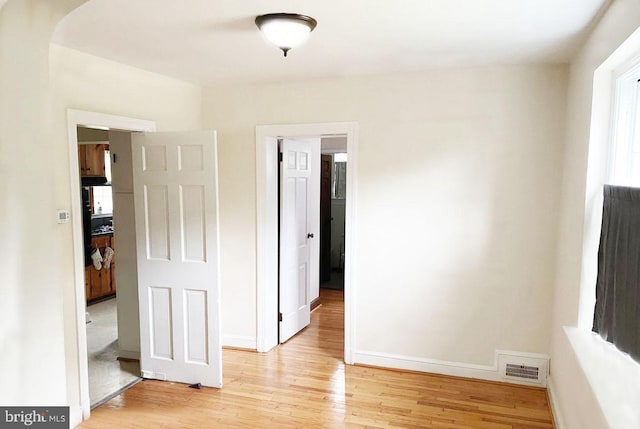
(96, 257)
(108, 255)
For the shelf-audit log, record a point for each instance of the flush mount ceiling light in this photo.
(286, 30)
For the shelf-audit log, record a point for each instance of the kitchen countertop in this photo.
(101, 230)
(101, 215)
(101, 234)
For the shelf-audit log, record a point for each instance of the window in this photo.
(102, 200)
(617, 308)
(339, 186)
(624, 165)
(102, 195)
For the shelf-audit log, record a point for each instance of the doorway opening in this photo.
(267, 162)
(312, 196)
(111, 368)
(127, 307)
(333, 194)
(174, 188)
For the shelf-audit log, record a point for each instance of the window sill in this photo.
(613, 376)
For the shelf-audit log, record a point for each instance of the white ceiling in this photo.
(206, 41)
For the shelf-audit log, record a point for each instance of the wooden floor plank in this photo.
(304, 383)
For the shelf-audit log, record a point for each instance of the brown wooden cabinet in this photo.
(91, 159)
(87, 282)
(112, 268)
(100, 283)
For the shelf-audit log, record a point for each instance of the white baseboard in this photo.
(239, 342)
(128, 354)
(558, 420)
(459, 369)
(75, 415)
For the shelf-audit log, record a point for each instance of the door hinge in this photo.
(279, 317)
(280, 156)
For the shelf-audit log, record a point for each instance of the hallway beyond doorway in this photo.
(335, 282)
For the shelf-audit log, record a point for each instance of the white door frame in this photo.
(77, 118)
(267, 226)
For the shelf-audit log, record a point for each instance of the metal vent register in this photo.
(523, 368)
(522, 371)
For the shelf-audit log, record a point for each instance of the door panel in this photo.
(192, 222)
(297, 234)
(156, 213)
(160, 323)
(196, 317)
(176, 211)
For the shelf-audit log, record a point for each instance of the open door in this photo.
(298, 233)
(176, 213)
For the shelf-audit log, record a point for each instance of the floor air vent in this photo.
(523, 368)
(522, 371)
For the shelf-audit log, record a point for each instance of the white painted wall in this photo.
(602, 399)
(85, 82)
(457, 203)
(32, 308)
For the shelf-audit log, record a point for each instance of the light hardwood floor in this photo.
(304, 384)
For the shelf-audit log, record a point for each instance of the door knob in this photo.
(310, 235)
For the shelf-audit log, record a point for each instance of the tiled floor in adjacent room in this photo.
(107, 375)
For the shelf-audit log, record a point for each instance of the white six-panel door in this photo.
(297, 234)
(176, 213)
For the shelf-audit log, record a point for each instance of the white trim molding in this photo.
(240, 342)
(267, 226)
(75, 415)
(435, 366)
(558, 419)
(413, 363)
(129, 354)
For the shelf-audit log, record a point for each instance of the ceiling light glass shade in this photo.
(286, 30)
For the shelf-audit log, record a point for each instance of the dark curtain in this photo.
(617, 312)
